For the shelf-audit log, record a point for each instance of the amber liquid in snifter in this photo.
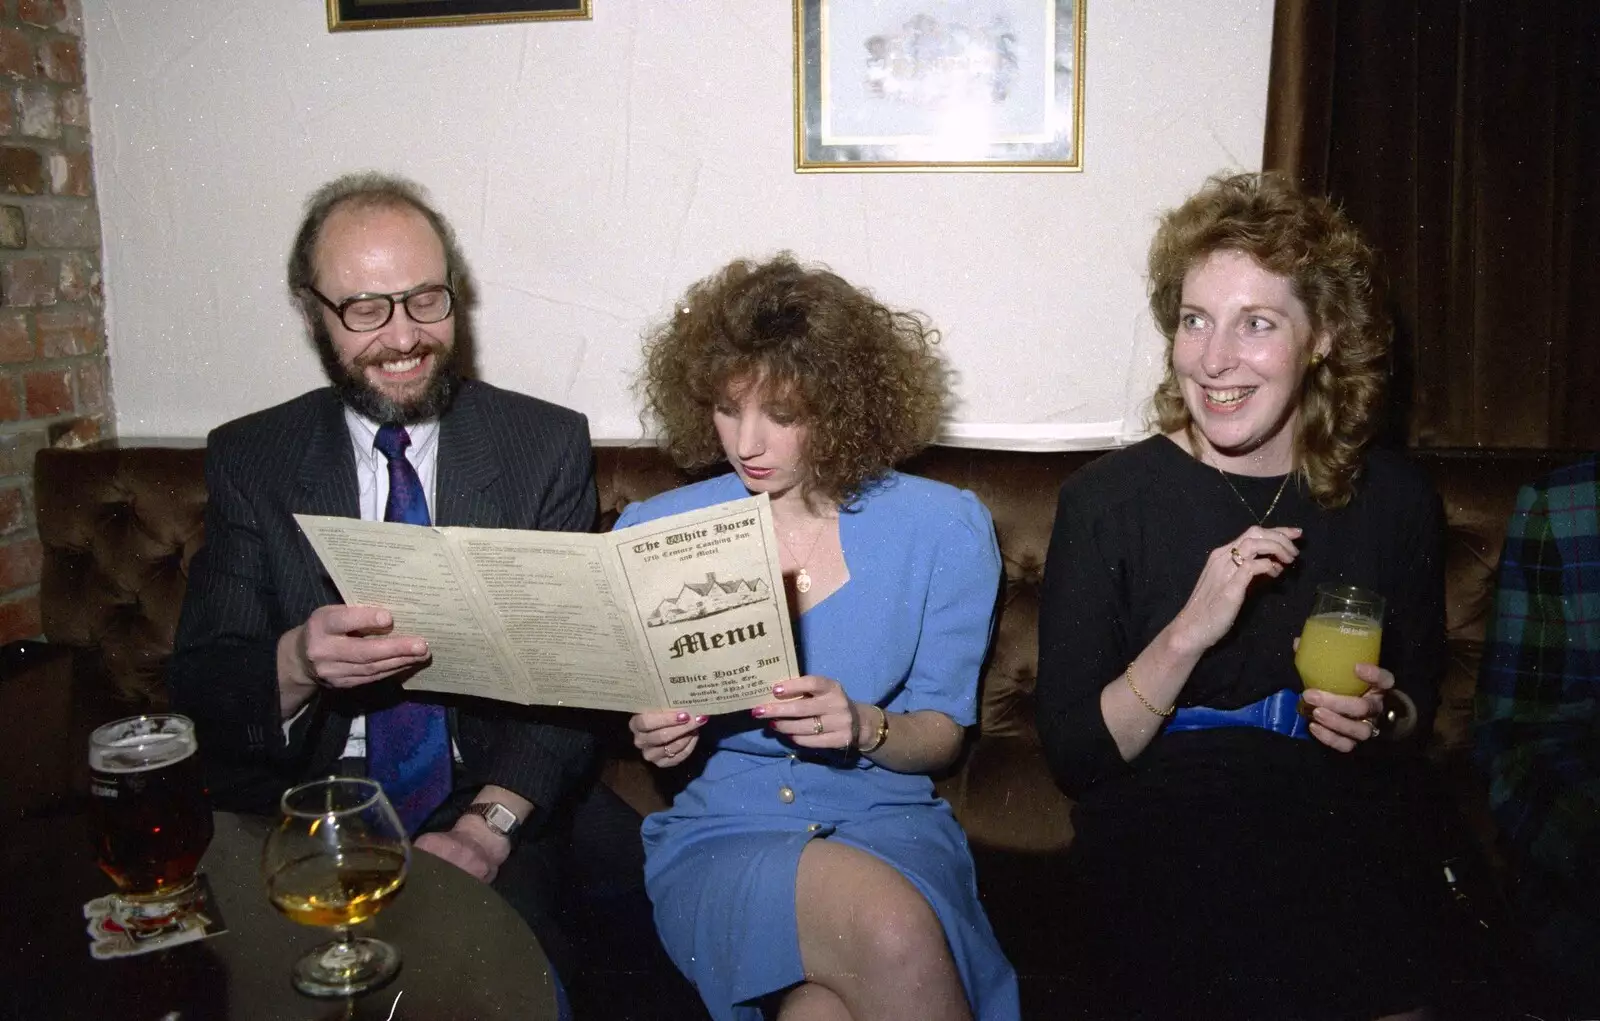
(150, 819)
(1345, 628)
(337, 856)
(343, 890)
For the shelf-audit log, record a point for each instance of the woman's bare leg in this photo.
(811, 1002)
(869, 938)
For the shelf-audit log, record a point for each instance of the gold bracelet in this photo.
(1127, 675)
(881, 736)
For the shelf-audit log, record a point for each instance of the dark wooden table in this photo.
(465, 953)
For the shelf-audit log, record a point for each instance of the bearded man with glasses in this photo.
(285, 683)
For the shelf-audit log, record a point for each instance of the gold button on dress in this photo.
(786, 794)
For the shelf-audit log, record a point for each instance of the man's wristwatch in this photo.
(500, 818)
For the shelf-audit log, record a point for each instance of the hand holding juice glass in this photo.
(1345, 628)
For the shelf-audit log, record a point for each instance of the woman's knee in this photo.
(899, 929)
(859, 914)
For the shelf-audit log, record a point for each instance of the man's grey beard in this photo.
(356, 392)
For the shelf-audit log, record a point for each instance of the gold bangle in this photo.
(1127, 675)
(881, 736)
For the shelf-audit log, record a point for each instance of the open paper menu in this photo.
(685, 612)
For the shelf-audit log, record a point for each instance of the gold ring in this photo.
(1233, 554)
(816, 728)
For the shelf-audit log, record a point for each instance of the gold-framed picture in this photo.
(345, 15)
(897, 85)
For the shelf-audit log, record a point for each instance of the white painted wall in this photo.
(594, 169)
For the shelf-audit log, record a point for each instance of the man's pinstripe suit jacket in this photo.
(505, 461)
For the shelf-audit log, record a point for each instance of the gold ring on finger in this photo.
(816, 728)
(1234, 555)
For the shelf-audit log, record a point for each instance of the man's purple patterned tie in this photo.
(408, 745)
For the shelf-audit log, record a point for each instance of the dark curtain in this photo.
(1464, 137)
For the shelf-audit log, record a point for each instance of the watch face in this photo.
(500, 818)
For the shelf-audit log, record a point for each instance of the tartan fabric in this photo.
(1538, 702)
(408, 744)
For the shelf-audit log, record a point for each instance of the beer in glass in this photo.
(149, 817)
(1345, 628)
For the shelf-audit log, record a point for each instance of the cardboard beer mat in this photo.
(108, 939)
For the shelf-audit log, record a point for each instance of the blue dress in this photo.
(908, 631)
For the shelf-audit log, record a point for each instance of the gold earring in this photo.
(1316, 359)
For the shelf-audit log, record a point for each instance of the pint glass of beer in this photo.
(149, 818)
(1345, 628)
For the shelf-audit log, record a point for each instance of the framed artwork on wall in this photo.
(344, 15)
(938, 85)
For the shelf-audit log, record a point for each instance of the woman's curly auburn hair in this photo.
(864, 379)
(1333, 272)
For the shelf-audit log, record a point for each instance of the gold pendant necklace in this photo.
(1261, 519)
(802, 580)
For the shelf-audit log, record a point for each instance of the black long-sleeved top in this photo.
(1132, 533)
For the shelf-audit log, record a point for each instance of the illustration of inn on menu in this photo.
(696, 599)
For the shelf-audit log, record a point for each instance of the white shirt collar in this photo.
(364, 431)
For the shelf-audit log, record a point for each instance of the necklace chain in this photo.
(1261, 519)
(802, 580)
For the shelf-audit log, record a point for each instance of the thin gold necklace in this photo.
(1261, 519)
(802, 580)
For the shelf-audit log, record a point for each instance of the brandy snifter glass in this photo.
(336, 857)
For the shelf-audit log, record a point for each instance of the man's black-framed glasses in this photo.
(363, 313)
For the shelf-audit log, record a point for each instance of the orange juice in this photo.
(1330, 647)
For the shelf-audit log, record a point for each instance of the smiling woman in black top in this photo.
(1245, 863)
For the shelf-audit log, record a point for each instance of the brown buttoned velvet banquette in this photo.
(119, 525)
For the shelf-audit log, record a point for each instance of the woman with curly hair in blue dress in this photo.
(808, 869)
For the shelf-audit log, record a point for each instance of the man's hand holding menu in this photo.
(685, 612)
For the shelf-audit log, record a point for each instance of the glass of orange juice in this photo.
(1345, 628)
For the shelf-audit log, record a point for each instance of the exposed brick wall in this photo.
(54, 380)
